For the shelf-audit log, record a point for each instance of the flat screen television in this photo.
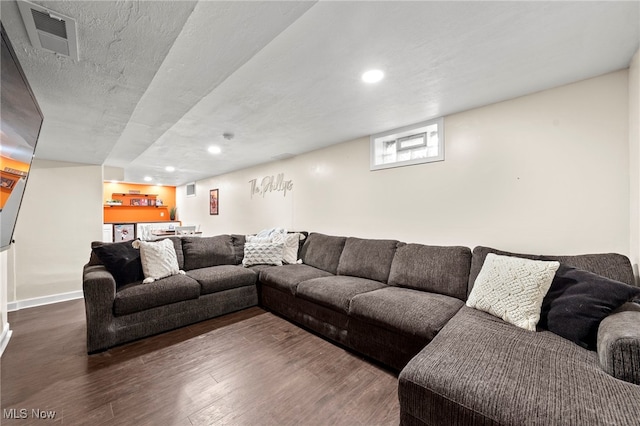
(20, 123)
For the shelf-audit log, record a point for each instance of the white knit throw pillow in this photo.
(512, 288)
(158, 259)
(291, 244)
(262, 254)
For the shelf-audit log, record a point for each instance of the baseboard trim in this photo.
(4, 338)
(44, 300)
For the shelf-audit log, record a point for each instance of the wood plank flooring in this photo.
(246, 368)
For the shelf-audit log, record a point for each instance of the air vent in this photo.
(191, 189)
(49, 30)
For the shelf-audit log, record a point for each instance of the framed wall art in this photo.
(7, 182)
(213, 202)
(124, 232)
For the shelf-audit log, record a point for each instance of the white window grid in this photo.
(415, 144)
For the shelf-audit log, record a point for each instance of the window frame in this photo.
(401, 133)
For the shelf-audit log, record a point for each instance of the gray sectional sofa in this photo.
(480, 370)
(383, 298)
(404, 306)
(214, 285)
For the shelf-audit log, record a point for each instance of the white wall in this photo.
(4, 277)
(544, 173)
(4, 284)
(547, 173)
(634, 159)
(61, 214)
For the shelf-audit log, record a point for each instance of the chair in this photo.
(185, 230)
(143, 231)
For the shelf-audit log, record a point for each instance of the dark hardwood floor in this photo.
(246, 368)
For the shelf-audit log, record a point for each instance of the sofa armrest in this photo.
(619, 343)
(99, 289)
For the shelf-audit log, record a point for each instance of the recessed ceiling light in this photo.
(214, 149)
(147, 179)
(170, 169)
(372, 76)
(114, 181)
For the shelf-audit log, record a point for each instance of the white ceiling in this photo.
(159, 82)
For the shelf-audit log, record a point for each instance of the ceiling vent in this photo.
(49, 30)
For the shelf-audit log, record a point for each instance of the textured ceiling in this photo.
(159, 82)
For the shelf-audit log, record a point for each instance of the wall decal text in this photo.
(271, 184)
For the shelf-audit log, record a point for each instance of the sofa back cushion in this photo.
(303, 238)
(93, 257)
(208, 251)
(609, 265)
(367, 258)
(436, 269)
(238, 247)
(177, 245)
(322, 251)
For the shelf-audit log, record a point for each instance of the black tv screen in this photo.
(21, 120)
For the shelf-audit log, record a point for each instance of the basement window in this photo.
(415, 144)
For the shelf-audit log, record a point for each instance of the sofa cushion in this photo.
(512, 288)
(177, 245)
(259, 268)
(367, 258)
(406, 311)
(619, 343)
(335, 292)
(291, 246)
(323, 251)
(610, 265)
(208, 251)
(303, 238)
(482, 370)
(256, 253)
(287, 277)
(121, 260)
(93, 257)
(237, 242)
(578, 300)
(138, 297)
(223, 277)
(443, 270)
(159, 259)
